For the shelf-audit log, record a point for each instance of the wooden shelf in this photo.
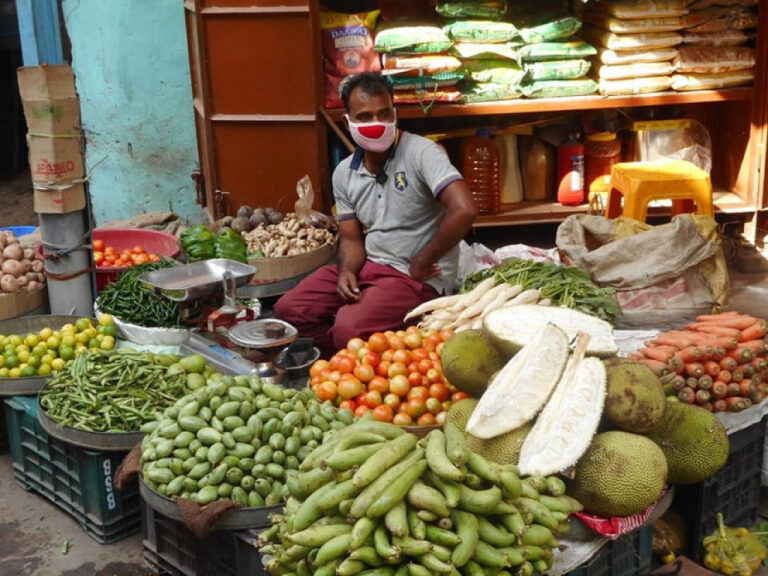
(549, 212)
(570, 104)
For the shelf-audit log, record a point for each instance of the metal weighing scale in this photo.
(226, 331)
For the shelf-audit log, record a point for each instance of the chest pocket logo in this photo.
(401, 182)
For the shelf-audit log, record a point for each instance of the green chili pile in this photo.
(111, 391)
(563, 285)
(133, 302)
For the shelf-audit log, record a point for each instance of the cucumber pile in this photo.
(236, 438)
(374, 500)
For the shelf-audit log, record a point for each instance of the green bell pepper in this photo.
(230, 244)
(198, 243)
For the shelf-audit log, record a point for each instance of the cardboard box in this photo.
(50, 102)
(22, 302)
(55, 160)
(275, 269)
(59, 201)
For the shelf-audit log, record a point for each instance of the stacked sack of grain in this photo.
(714, 53)
(554, 62)
(414, 57)
(637, 43)
(482, 41)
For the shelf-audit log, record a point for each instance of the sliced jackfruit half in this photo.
(510, 328)
(520, 389)
(564, 429)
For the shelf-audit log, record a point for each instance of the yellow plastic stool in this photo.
(640, 182)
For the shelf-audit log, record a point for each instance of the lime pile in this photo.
(48, 350)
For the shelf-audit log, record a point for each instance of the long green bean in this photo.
(93, 393)
(133, 302)
(563, 285)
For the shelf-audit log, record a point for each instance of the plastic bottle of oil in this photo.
(481, 168)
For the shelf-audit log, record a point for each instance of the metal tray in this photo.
(238, 519)
(101, 441)
(31, 384)
(197, 280)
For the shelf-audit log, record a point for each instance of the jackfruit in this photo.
(504, 449)
(460, 412)
(522, 387)
(511, 328)
(635, 400)
(566, 425)
(620, 474)
(469, 360)
(693, 440)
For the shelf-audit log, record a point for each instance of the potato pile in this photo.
(20, 269)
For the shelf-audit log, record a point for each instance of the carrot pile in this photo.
(719, 362)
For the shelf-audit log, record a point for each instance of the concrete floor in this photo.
(33, 531)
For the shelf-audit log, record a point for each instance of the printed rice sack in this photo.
(488, 9)
(555, 51)
(613, 57)
(480, 31)
(712, 60)
(632, 86)
(412, 39)
(347, 49)
(556, 70)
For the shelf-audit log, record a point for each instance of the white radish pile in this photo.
(466, 311)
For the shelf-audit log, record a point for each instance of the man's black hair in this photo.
(370, 83)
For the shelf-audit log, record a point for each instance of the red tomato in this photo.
(355, 344)
(426, 419)
(433, 405)
(349, 388)
(396, 368)
(326, 390)
(371, 358)
(399, 385)
(154, 258)
(392, 400)
(333, 363)
(386, 356)
(425, 366)
(379, 384)
(420, 393)
(372, 399)
(317, 367)
(383, 413)
(347, 365)
(378, 342)
(402, 419)
(397, 342)
(419, 354)
(138, 249)
(440, 391)
(414, 378)
(361, 409)
(348, 405)
(403, 356)
(98, 244)
(456, 396)
(412, 340)
(98, 257)
(382, 369)
(434, 375)
(446, 334)
(364, 372)
(414, 408)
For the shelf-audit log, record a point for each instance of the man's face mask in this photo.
(373, 136)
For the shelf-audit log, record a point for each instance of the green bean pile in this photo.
(567, 286)
(133, 302)
(111, 391)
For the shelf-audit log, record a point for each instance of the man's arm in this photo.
(460, 212)
(351, 258)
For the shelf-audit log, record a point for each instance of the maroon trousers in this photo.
(317, 311)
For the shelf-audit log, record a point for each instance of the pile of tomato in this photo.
(397, 375)
(109, 257)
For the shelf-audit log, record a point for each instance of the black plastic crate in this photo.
(629, 555)
(80, 482)
(171, 549)
(734, 490)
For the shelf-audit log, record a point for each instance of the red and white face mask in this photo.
(373, 136)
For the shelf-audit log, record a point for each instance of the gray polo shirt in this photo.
(400, 215)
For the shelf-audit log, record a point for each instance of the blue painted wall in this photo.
(132, 73)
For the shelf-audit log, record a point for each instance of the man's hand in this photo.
(347, 287)
(423, 272)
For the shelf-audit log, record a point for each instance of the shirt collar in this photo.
(357, 156)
